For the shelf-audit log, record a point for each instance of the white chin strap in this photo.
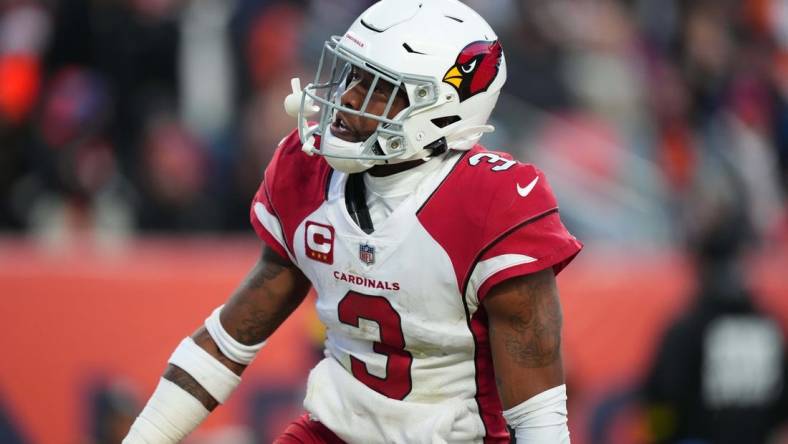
(331, 146)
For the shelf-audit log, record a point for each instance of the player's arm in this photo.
(206, 367)
(525, 320)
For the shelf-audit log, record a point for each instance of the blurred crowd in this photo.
(660, 123)
(650, 116)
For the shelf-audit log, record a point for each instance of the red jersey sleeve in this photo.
(294, 185)
(507, 222)
(534, 246)
(265, 222)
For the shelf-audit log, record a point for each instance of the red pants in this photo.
(306, 431)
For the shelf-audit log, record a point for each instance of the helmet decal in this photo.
(475, 69)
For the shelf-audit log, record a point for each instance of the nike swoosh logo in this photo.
(524, 192)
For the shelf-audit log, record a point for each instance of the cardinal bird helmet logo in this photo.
(475, 69)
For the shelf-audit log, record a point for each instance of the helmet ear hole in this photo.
(443, 122)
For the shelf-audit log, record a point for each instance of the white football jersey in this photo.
(403, 304)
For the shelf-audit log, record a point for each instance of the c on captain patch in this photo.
(319, 242)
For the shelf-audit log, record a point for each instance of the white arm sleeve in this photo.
(541, 419)
(218, 380)
(170, 414)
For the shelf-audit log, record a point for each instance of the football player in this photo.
(433, 259)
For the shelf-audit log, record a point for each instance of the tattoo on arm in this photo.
(188, 383)
(254, 317)
(534, 336)
(271, 268)
(253, 325)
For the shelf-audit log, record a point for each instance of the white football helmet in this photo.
(442, 53)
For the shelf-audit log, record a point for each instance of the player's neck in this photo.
(388, 170)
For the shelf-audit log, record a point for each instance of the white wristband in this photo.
(229, 346)
(170, 414)
(211, 374)
(541, 419)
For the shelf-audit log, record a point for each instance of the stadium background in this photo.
(133, 134)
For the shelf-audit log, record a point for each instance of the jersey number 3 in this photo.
(397, 382)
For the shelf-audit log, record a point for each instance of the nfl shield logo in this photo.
(366, 253)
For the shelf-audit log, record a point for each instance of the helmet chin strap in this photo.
(330, 144)
(461, 140)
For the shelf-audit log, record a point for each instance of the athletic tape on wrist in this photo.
(211, 374)
(170, 414)
(541, 419)
(229, 346)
